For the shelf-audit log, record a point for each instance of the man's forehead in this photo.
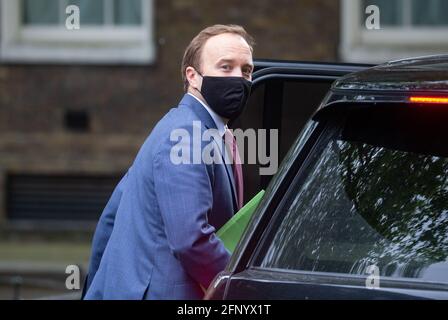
(227, 46)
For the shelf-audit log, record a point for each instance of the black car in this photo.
(359, 206)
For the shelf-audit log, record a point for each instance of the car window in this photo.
(300, 101)
(373, 192)
(285, 105)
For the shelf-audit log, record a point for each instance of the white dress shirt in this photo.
(219, 121)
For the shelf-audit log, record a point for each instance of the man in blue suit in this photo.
(156, 236)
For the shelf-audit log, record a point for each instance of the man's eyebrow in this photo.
(250, 65)
(225, 60)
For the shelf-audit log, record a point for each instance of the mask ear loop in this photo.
(199, 73)
(202, 79)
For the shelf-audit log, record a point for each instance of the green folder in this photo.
(231, 232)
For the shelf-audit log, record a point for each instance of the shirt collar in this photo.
(220, 124)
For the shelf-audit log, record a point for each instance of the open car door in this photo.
(284, 96)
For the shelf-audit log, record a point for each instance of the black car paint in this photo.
(240, 280)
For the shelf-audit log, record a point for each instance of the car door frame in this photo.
(304, 284)
(286, 70)
(240, 269)
(267, 70)
(275, 73)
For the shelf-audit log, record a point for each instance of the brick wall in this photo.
(124, 102)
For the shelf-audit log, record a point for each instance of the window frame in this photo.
(267, 70)
(105, 44)
(325, 130)
(357, 44)
(322, 133)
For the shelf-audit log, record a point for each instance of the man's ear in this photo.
(193, 78)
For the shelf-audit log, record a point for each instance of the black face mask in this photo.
(227, 96)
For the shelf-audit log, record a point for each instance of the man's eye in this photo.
(225, 67)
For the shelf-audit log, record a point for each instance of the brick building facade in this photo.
(88, 120)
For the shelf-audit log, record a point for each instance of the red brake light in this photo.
(433, 100)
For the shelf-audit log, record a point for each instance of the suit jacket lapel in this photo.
(229, 171)
(205, 117)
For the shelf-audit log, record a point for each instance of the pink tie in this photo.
(236, 165)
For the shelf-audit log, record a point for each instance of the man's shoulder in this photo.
(180, 117)
(187, 115)
(178, 120)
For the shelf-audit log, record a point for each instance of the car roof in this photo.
(400, 81)
(428, 74)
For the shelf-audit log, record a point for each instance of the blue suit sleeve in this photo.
(103, 231)
(185, 197)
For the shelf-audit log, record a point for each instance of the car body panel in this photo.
(386, 83)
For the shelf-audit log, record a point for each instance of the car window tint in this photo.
(300, 101)
(375, 193)
(285, 105)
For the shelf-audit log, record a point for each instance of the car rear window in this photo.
(374, 191)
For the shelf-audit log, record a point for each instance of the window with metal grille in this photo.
(58, 197)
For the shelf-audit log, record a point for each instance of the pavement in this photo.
(37, 270)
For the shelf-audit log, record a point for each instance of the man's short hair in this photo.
(192, 55)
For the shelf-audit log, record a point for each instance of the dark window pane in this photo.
(58, 197)
(273, 105)
(374, 193)
(91, 12)
(77, 120)
(295, 115)
(429, 12)
(41, 12)
(391, 11)
(128, 12)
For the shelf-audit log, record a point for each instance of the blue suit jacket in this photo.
(156, 236)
